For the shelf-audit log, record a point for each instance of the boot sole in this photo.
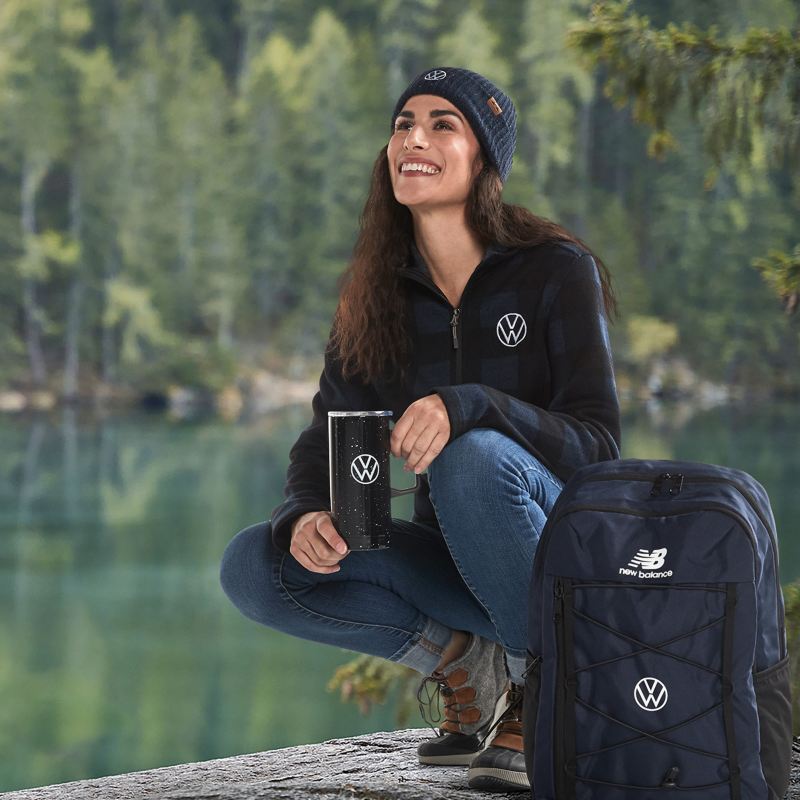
(465, 759)
(492, 779)
(454, 760)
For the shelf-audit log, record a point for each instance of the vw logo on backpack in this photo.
(657, 646)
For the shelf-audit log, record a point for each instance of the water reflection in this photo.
(119, 650)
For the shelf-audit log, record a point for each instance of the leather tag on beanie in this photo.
(495, 106)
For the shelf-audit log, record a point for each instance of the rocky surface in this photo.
(379, 766)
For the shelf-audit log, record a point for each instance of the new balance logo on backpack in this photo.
(656, 638)
(648, 560)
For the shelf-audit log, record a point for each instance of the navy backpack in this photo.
(657, 656)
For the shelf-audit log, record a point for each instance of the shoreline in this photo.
(261, 391)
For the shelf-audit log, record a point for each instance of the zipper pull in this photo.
(534, 662)
(673, 482)
(454, 326)
(671, 779)
(558, 594)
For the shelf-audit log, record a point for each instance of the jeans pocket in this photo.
(774, 703)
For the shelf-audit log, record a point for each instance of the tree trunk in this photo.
(584, 173)
(108, 345)
(71, 473)
(30, 473)
(31, 177)
(74, 296)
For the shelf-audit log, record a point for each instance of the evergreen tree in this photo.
(743, 90)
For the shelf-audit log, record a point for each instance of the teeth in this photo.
(416, 167)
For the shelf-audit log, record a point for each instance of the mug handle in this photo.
(398, 492)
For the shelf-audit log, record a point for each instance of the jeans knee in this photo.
(466, 462)
(244, 570)
(484, 463)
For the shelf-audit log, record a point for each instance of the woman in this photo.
(483, 328)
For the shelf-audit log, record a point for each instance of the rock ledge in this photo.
(378, 766)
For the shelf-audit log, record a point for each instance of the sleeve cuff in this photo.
(452, 402)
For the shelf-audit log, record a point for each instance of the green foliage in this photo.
(791, 597)
(199, 172)
(741, 90)
(782, 272)
(368, 680)
(737, 85)
(649, 337)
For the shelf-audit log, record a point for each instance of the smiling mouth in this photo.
(417, 171)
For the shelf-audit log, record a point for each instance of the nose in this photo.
(415, 138)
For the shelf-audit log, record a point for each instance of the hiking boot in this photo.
(472, 688)
(501, 766)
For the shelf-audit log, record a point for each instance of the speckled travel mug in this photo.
(361, 495)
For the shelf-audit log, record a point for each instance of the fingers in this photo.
(422, 419)
(331, 535)
(425, 449)
(416, 444)
(306, 562)
(401, 428)
(313, 544)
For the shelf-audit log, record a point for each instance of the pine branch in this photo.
(737, 87)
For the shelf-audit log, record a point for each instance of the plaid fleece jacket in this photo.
(526, 353)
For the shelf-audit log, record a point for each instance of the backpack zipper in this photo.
(750, 500)
(560, 699)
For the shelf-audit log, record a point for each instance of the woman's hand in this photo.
(316, 543)
(421, 433)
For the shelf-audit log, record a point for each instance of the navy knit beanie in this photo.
(489, 111)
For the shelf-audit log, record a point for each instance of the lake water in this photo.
(118, 649)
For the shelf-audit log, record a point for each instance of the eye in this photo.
(405, 124)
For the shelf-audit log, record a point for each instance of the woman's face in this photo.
(431, 131)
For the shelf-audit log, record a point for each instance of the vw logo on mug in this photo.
(361, 497)
(365, 468)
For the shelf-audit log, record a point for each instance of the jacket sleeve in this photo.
(308, 477)
(581, 423)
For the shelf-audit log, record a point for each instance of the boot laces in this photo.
(428, 695)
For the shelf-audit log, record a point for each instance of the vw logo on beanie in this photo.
(489, 110)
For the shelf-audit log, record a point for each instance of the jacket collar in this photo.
(417, 262)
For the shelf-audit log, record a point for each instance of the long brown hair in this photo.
(368, 333)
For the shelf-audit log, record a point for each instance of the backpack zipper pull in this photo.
(673, 481)
(670, 779)
(534, 661)
(454, 326)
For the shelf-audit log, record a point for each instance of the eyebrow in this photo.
(441, 112)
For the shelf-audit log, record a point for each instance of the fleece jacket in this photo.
(526, 353)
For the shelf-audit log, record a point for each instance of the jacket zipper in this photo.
(454, 328)
(454, 320)
(751, 500)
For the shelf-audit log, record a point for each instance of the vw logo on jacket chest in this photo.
(511, 329)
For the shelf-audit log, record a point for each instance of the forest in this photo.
(181, 182)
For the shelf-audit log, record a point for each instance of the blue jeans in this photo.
(491, 498)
